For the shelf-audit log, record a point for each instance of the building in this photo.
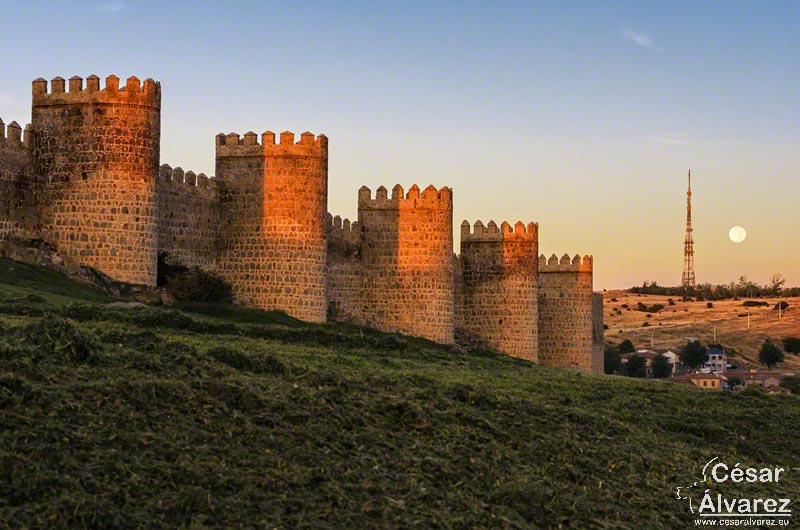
(715, 381)
(717, 361)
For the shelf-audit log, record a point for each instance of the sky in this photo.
(581, 116)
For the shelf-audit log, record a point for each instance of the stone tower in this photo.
(407, 255)
(273, 206)
(96, 154)
(566, 333)
(500, 297)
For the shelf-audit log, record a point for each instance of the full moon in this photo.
(737, 234)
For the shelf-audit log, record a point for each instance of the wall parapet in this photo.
(134, 91)
(199, 181)
(234, 144)
(342, 235)
(492, 232)
(429, 198)
(13, 136)
(565, 263)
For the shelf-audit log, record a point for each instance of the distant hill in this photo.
(673, 325)
(117, 415)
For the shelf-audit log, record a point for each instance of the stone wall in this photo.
(97, 153)
(407, 253)
(566, 312)
(16, 179)
(598, 334)
(273, 206)
(188, 217)
(344, 273)
(500, 296)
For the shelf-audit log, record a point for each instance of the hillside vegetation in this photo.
(140, 417)
(672, 325)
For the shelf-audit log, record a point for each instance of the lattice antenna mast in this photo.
(688, 279)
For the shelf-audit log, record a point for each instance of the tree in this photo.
(735, 382)
(791, 382)
(661, 367)
(770, 354)
(791, 344)
(776, 282)
(694, 354)
(612, 361)
(636, 367)
(626, 346)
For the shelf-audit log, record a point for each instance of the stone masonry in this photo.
(565, 313)
(84, 177)
(500, 297)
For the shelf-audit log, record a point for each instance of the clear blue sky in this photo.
(583, 116)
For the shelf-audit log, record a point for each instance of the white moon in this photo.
(737, 234)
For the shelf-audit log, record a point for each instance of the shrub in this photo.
(781, 305)
(670, 301)
(754, 303)
(694, 354)
(770, 354)
(611, 360)
(661, 367)
(791, 344)
(636, 366)
(192, 285)
(709, 305)
(626, 346)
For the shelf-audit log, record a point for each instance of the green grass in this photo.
(233, 418)
(20, 279)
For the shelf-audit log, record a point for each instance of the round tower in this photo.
(96, 152)
(274, 203)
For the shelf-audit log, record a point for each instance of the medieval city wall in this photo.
(499, 286)
(97, 153)
(566, 312)
(407, 253)
(84, 177)
(188, 217)
(344, 272)
(16, 179)
(273, 206)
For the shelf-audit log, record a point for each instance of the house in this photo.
(701, 380)
(763, 379)
(717, 361)
(648, 356)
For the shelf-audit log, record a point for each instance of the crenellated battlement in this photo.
(492, 232)
(343, 236)
(74, 92)
(13, 136)
(199, 182)
(429, 198)
(235, 145)
(565, 263)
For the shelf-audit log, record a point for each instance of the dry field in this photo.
(673, 325)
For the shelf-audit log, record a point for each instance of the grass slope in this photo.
(156, 418)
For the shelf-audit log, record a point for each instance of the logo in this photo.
(712, 508)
